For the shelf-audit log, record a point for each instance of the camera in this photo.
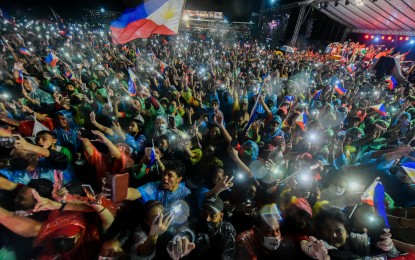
(7, 141)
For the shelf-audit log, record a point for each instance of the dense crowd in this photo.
(198, 148)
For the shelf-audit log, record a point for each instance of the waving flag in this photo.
(132, 86)
(317, 94)
(392, 82)
(163, 67)
(152, 159)
(340, 90)
(409, 168)
(20, 78)
(302, 120)
(375, 197)
(24, 51)
(152, 17)
(380, 109)
(52, 59)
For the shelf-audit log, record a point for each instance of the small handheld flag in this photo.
(301, 121)
(317, 94)
(52, 59)
(340, 90)
(132, 86)
(163, 67)
(24, 51)
(392, 82)
(375, 196)
(409, 168)
(380, 109)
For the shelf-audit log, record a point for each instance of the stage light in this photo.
(347, 2)
(389, 38)
(102, 10)
(412, 42)
(376, 39)
(383, 37)
(401, 38)
(366, 36)
(371, 37)
(272, 1)
(406, 38)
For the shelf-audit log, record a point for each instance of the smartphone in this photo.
(90, 193)
(172, 122)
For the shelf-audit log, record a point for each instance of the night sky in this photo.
(236, 10)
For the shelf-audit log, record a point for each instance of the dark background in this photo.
(235, 10)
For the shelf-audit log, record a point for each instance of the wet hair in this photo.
(175, 166)
(331, 213)
(43, 186)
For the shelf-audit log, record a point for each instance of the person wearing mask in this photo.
(210, 238)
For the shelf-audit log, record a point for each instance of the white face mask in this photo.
(337, 190)
(271, 243)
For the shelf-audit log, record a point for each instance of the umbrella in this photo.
(287, 49)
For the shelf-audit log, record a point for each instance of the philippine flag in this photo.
(375, 196)
(317, 94)
(409, 168)
(340, 90)
(163, 67)
(301, 121)
(380, 109)
(132, 86)
(52, 59)
(24, 51)
(392, 82)
(152, 17)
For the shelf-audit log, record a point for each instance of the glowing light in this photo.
(383, 37)
(353, 185)
(240, 176)
(371, 37)
(376, 39)
(400, 38)
(366, 36)
(102, 10)
(412, 42)
(406, 38)
(389, 38)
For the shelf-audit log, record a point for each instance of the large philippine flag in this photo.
(152, 17)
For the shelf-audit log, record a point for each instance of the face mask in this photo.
(271, 243)
(63, 244)
(162, 127)
(211, 226)
(337, 190)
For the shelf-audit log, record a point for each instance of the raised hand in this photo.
(44, 204)
(224, 184)
(179, 247)
(317, 249)
(161, 224)
(386, 244)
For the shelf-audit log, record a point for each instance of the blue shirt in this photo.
(154, 191)
(44, 170)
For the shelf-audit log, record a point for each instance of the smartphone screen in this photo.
(89, 191)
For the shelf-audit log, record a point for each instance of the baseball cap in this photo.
(214, 203)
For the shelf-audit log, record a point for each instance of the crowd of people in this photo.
(224, 150)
